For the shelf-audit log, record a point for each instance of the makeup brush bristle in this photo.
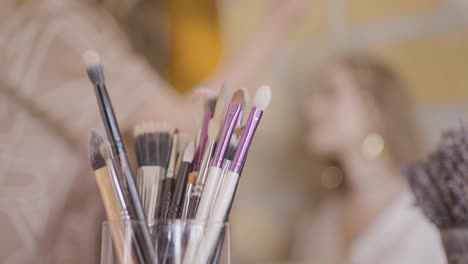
(202, 93)
(246, 97)
(189, 152)
(210, 104)
(232, 147)
(105, 150)
(152, 144)
(192, 178)
(165, 145)
(94, 155)
(262, 97)
(239, 130)
(93, 67)
(199, 97)
(238, 96)
(213, 129)
(220, 103)
(184, 140)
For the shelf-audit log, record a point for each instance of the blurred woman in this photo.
(359, 119)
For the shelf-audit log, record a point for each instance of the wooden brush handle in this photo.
(113, 215)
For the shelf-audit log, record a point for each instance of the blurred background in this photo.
(425, 41)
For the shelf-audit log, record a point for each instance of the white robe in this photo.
(401, 234)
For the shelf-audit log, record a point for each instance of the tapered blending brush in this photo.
(215, 171)
(96, 75)
(103, 180)
(175, 210)
(227, 190)
(169, 182)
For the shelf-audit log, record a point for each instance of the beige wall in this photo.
(426, 41)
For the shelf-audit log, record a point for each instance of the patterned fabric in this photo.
(50, 210)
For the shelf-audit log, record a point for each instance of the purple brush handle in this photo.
(230, 122)
(246, 140)
(203, 139)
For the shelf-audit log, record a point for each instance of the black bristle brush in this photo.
(175, 210)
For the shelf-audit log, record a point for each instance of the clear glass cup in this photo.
(175, 242)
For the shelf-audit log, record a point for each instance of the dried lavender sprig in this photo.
(440, 183)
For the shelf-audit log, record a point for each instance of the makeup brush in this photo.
(181, 182)
(165, 145)
(96, 75)
(440, 186)
(209, 108)
(169, 181)
(213, 130)
(221, 103)
(188, 191)
(147, 160)
(103, 180)
(227, 190)
(227, 162)
(117, 185)
(215, 171)
(153, 148)
(244, 103)
(176, 198)
(125, 243)
(184, 141)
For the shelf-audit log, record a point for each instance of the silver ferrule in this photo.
(116, 185)
(185, 207)
(205, 163)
